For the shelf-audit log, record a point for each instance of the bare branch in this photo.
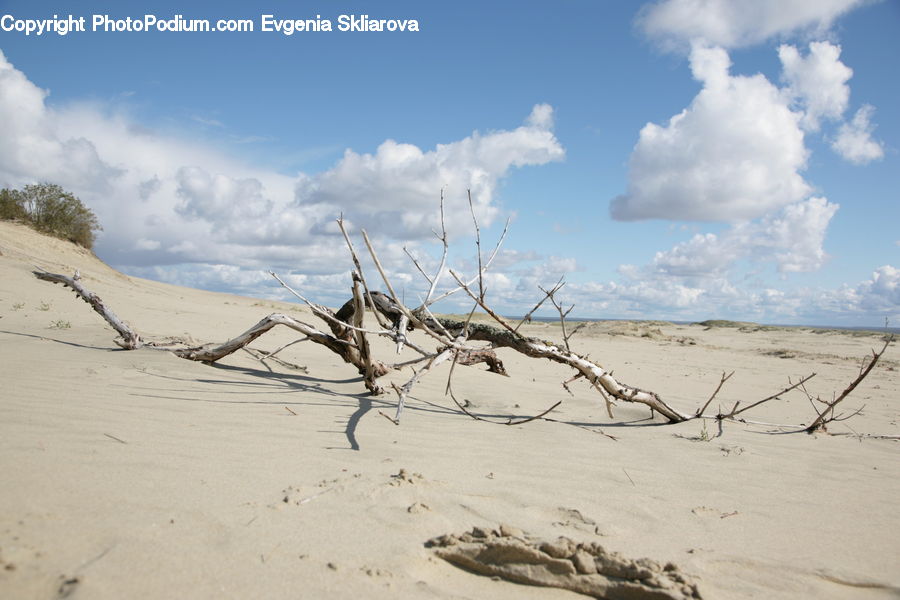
(417, 265)
(535, 417)
(345, 350)
(401, 332)
(482, 304)
(359, 269)
(285, 346)
(485, 267)
(433, 281)
(481, 289)
(317, 309)
(339, 326)
(559, 309)
(540, 349)
(823, 419)
(527, 317)
(734, 412)
(362, 343)
(566, 383)
(403, 392)
(719, 387)
(262, 356)
(509, 421)
(129, 339)
(398, 304)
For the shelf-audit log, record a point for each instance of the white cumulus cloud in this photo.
(818, 81)
(738, 23)
(32, 146)
(396, 188)
(734, 154)
(219, 198)
(854, 140)
(796, 236)
(883, 289)
(792, 239)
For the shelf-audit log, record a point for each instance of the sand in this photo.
(137, 474)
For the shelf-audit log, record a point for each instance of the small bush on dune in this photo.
(50, 209)
(11, 205)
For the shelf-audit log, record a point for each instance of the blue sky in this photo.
(675, 159)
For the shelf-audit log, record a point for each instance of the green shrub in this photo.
(11, 205)
(50, 209)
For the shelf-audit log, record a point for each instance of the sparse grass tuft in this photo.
(704, 434)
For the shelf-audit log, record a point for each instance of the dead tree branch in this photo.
(345, 350)
(362, 344)
(509, 421)
(592, 371)
(128, 338)
(562, 314)
(358, 267)
(827, 416)
(403, 392)
(711, 398)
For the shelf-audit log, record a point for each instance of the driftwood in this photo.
(127, 339)
(827, 416)
(341, 348)
(349, 339)
(371, 371)
(593, 372)
(130, 340)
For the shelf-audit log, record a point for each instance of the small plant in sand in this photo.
(43, 306)
(60, 324)
(704, 434)
(18, 305)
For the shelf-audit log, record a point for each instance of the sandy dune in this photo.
(142, 475)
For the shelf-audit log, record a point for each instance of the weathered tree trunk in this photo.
(362, 344)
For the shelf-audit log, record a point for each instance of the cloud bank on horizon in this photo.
(189, 213)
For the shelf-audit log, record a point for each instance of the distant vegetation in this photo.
(50, 209)
(722, 323)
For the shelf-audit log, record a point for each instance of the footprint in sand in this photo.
(405, 477)
(705, 511)
(418, 508)
(574, 519)
(585, 568)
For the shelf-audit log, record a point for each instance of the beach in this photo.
(139, 474)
